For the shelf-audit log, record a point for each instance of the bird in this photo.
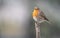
(38, 15)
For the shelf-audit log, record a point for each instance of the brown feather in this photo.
(43, 16)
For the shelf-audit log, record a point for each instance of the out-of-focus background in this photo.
(16, 18)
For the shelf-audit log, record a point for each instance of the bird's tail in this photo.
(46, 18)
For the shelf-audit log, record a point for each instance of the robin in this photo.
(38, 15)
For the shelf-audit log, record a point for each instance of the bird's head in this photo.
(36, 8)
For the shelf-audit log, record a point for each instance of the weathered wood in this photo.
(37, 28)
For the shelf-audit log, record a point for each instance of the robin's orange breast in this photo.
(35, 13)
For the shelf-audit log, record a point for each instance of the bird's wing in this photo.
(43, 15)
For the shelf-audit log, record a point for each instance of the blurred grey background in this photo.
(16, 18)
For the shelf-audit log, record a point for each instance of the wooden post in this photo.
(37, 28)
